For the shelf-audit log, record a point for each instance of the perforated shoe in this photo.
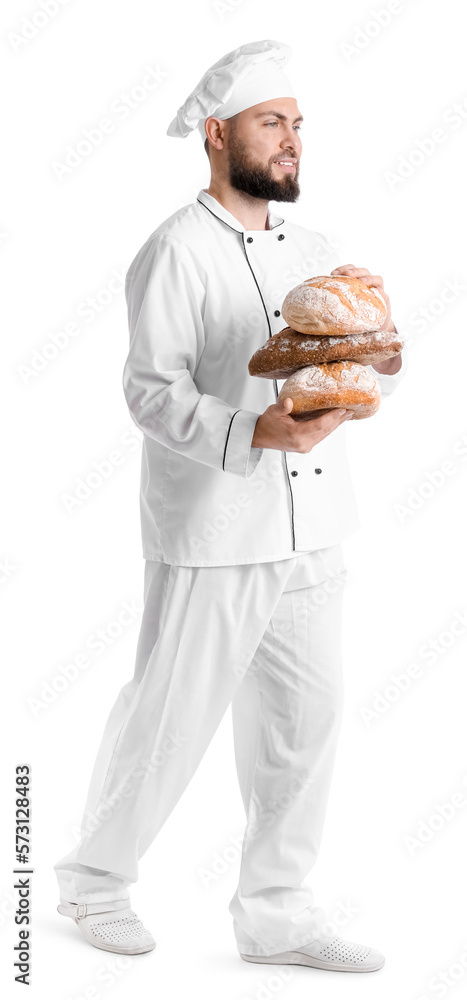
(335, 954)
(112, 926)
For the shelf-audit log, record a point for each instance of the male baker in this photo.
(243, 513)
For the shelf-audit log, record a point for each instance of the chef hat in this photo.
(248, 75)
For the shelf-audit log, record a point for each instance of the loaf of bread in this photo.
(334, 306)
(287, 351)
(318, 388)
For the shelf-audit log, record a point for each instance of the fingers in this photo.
(338, 418)
(330, 419)
(362, 273)
(371, 279)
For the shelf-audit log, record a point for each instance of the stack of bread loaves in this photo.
(335, 330)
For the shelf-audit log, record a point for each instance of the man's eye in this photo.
(297, 127)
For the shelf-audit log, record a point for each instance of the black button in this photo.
(318, 470)
(281, 237)
(249, 239)
(277, 312)
(294, 473)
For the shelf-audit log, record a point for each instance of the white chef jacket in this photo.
(203, 294)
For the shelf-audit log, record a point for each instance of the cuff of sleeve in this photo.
(239, 457)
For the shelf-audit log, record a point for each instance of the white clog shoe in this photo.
(112, 926)
(331, 953)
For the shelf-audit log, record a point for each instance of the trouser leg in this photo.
(286, 717)
(200, 629)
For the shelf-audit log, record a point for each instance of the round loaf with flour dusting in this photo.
(320, 388)
(334, 306)
(287, 351)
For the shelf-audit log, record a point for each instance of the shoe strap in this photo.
(81, 910)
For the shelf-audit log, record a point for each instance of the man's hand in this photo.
(275, 428)
(391, 365)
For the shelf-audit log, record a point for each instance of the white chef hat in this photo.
(248, 75)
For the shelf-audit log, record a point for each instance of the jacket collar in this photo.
(217, 209)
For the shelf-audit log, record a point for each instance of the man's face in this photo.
(257, 140)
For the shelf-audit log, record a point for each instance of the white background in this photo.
(66, 573)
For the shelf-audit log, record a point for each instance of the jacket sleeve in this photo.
(164, 295)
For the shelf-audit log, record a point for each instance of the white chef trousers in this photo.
(266, 640)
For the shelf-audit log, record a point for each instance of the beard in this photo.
(256, 180)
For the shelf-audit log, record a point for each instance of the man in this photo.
(243, 512)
